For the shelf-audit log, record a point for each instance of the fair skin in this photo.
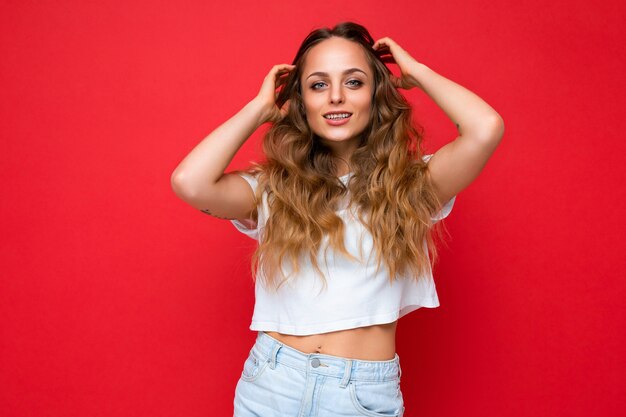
(336, 77)
(200, 179)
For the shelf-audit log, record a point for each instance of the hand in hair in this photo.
(267, 95)
(389, 51)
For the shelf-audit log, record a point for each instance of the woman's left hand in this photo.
(390, 51)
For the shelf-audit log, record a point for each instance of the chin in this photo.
(335, 138)
(338, 134)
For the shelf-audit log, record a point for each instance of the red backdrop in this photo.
(118, 299)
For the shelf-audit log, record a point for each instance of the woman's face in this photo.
(337, 79)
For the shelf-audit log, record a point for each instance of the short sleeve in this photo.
(248, 227)
(447, 207)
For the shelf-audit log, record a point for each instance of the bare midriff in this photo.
(373, 343)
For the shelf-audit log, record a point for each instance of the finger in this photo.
(278, 75)
(383, 52)
(379, 45)
(379, 40)
(386, 41)
(386, 57)
(279, 68)
(283, 71)
(283, 66)
(382, 49)
(285, 106)
(389, 60)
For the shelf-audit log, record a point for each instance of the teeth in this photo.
(337, 116)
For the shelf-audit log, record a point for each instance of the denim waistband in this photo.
(346, 369)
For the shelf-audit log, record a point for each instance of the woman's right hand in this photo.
(267, 94)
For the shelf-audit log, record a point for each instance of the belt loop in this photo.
(346, 374)
(399, 368)
(274, 353)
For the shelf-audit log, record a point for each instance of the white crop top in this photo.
(355, 295)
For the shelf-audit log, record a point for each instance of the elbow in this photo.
(185, 186)
(493, 130)
(177, 183)
(499, 127)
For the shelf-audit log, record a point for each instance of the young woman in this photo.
(344, 209)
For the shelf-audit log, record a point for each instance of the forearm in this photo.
(206, 163)
(472, 116)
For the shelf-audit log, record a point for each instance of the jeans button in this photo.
(315, 362)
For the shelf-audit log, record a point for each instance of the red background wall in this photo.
(118, 299)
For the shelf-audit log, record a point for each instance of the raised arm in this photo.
(455, 165)
(200, 179)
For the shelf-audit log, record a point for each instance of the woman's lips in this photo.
(338, 122)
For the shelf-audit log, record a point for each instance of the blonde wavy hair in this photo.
(390, 186)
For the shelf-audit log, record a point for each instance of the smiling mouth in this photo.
(337, 116)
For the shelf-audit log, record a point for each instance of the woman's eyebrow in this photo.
(348, 71)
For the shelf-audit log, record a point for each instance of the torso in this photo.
(374, 343)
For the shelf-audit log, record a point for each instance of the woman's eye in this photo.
(352, 83)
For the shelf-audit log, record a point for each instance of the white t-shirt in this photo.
(355, 295)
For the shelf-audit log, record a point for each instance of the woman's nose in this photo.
(336, 95)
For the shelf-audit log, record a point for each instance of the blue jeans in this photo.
(278, 380)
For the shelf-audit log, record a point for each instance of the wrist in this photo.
(418, 72)
(260, 111)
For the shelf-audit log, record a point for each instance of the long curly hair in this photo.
(390, 185)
